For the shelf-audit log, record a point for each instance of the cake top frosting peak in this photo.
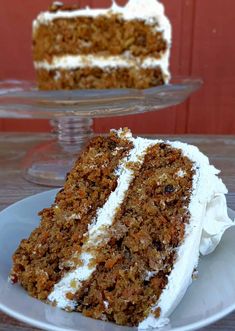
(145, 8)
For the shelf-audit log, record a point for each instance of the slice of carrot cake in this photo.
(122, 239)
(119, 47)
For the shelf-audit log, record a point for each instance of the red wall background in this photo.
(203, 45)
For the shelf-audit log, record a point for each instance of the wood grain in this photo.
(13, 187)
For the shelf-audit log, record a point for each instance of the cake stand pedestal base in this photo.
(49, 163)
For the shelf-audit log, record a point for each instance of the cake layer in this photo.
(136, 28)
(102, 35)
(99, 78)
(42, 259)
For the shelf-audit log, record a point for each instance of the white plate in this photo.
(208, 299)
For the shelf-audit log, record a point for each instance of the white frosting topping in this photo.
(208, 221)
(215, 223)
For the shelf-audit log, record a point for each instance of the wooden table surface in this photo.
(13, 187)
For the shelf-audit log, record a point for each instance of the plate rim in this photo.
(48, 326)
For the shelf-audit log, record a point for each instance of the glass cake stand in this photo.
(71, 115)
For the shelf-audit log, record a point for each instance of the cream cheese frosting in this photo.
(70, 62)
(208, 221)
(215, 223)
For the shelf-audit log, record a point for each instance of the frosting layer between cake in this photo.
(82, 61)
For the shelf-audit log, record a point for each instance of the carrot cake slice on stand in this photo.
(118, 47)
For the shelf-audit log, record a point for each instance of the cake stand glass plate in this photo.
(21, 99)
(208, 299)
(71, 115)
